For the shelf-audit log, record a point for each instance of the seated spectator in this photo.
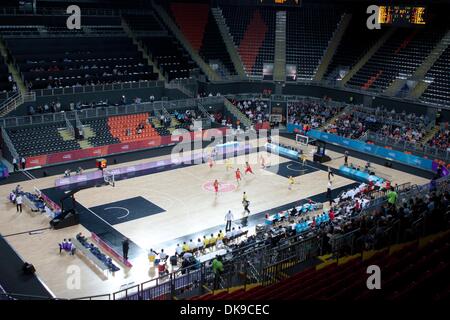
(178, 250)
(185, 247)
(151, 257)
(192, 245)
(200, 244)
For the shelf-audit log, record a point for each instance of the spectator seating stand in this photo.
(253, 31)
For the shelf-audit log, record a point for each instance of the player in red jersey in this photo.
(216, 186)
(210, 162)
(238, 175)
(248, 169)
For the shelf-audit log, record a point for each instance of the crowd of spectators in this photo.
(371, 230)
(186, 117)
(347, 125)
(255, 109)
(313, 113)
(401, 127)
(441, 140)
(402, 133)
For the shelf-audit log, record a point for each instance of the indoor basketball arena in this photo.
(199, 150)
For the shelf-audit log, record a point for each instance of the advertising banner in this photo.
(361, 146)
(102, 151)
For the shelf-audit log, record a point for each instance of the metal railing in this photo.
(15, 101)
(9, 146)
(204, 112)
(69, 126)
(17, 296)
(7, 95)
(49, 33)
(78, 122)
(336, 104)
(97, 297)
(238, 113)
(46, 11)
(165, 112)
(7, 101)
(182, 85)
(99, 88)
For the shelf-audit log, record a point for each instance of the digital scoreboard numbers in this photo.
(402, 15)
(282, 2)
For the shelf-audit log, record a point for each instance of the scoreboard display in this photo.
(282, 2)
(402, 15)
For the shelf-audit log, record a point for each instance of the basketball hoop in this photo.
(275, 118)
(302, 143)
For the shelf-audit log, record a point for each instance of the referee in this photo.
(329, 197)
(330, 174)
(19, 202)
(245, 203)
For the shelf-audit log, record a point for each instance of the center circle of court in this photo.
(223, 186)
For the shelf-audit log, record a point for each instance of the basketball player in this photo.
(346, 158)
(210, 162)
(248, 169)
(303, 159)
(263, 162)
(214, 154)
(291, 182)
(228, 164)
(238, 175)
(216, 187)
(245, 203)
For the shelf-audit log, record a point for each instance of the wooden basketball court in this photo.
(157, 209)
